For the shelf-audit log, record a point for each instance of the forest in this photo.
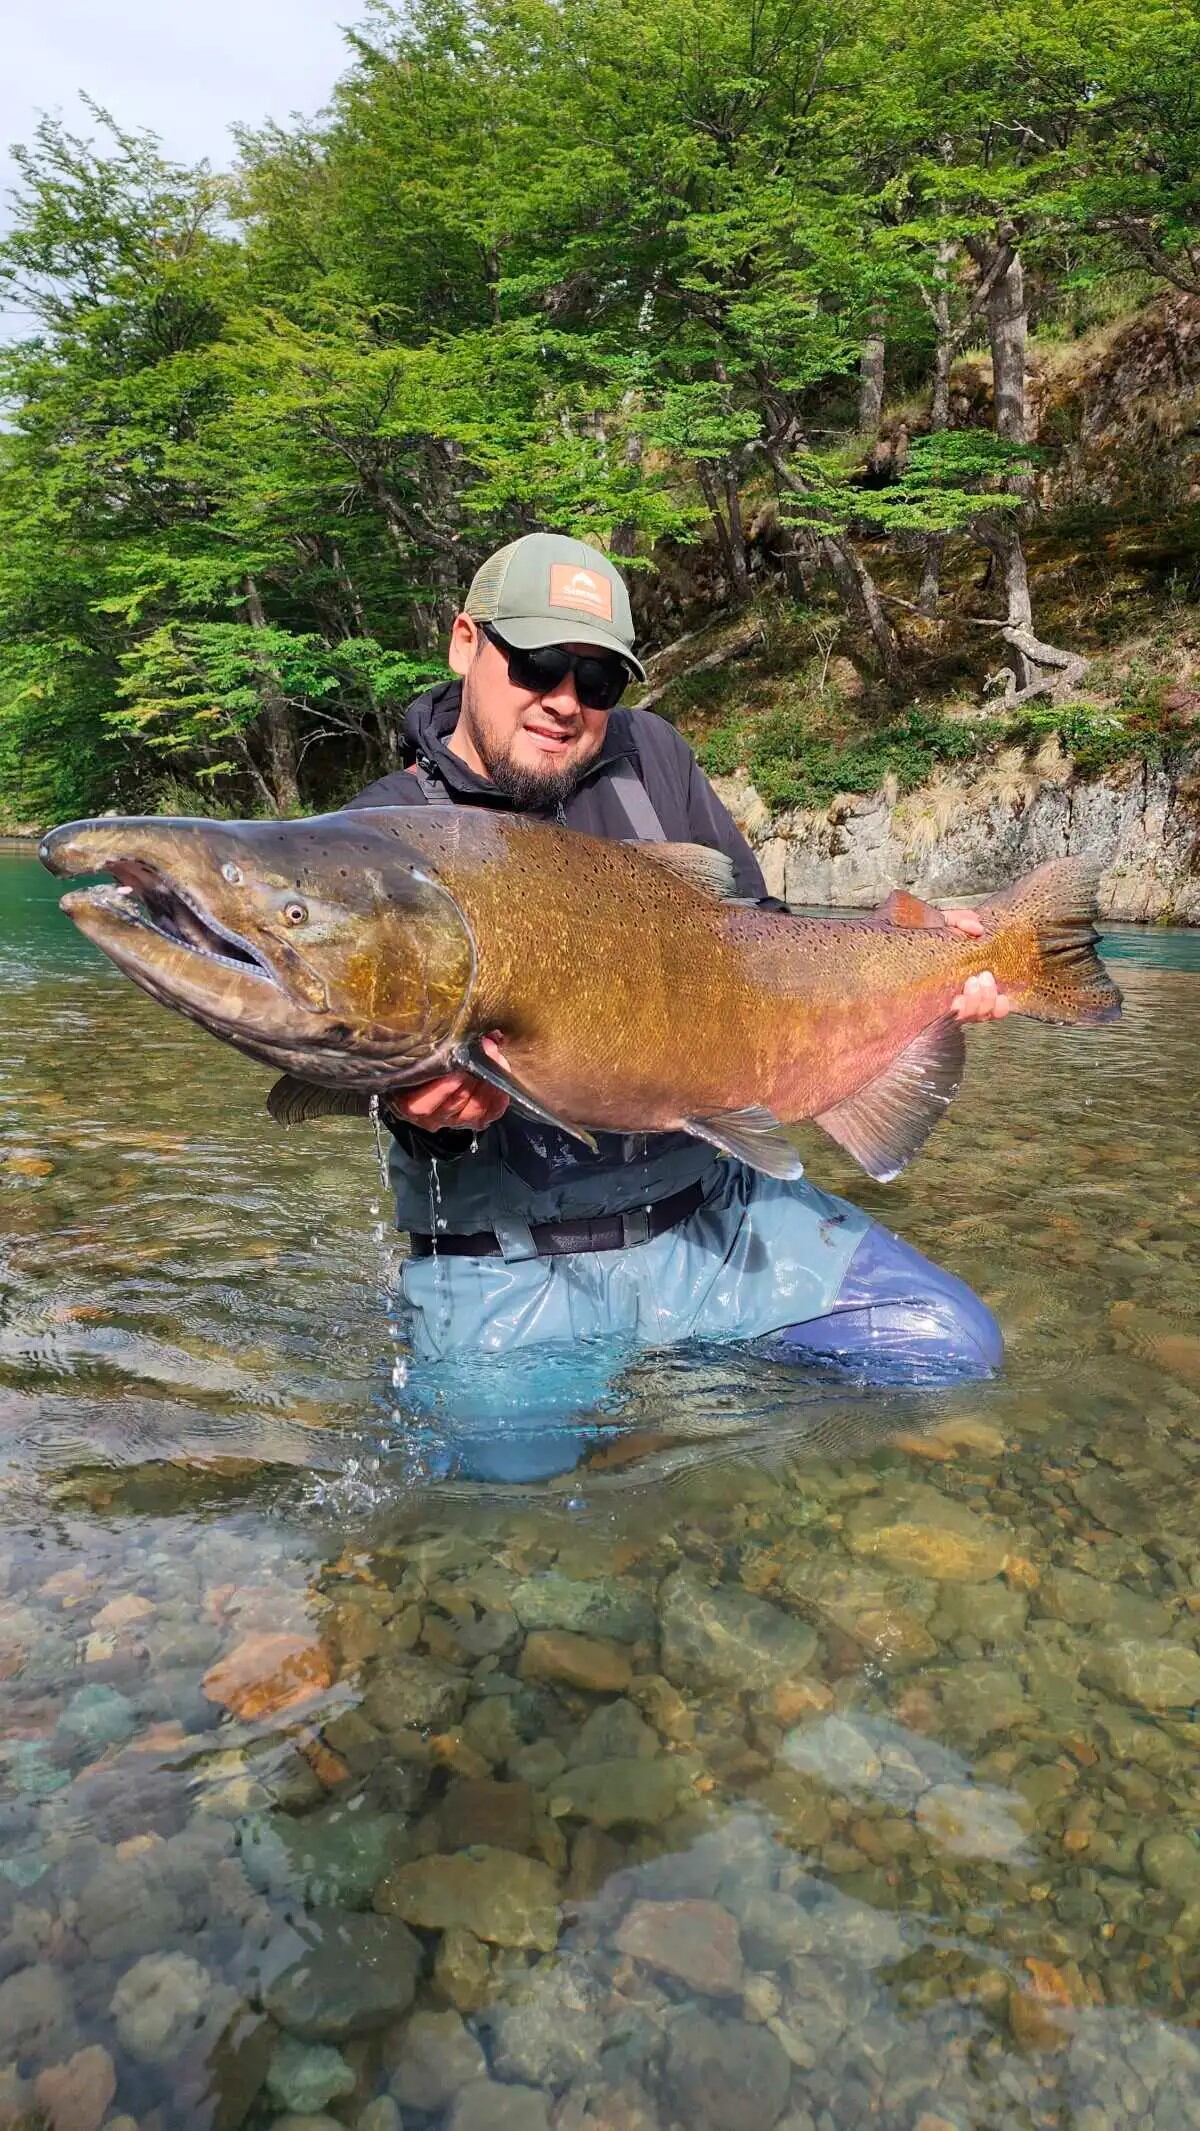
(693, 279)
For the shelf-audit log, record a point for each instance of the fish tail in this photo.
(1043, 945)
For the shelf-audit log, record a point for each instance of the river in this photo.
(807, 1757)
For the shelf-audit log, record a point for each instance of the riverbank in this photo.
(972, 834)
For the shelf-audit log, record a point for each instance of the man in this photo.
(523, 1244)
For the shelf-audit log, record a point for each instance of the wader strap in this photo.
(636, 804)
(433, 791)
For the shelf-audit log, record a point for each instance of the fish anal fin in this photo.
(902, 907)
(753, 1136)
(710, 871)
(884, 1124)
(292, 1101)
(471, 1058)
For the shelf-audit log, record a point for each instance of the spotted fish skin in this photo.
(372, 949)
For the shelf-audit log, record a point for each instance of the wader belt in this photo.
(558, 1239)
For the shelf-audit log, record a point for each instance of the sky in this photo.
(187, 69)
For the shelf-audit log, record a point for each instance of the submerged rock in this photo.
(99, 1716)
(76, 2096)
(727, 1638)
(265, 1674)
(331, 1859)
(1156, 1676)
(586, 1662)
(725, 2074)
(616, 1793)
(435, 2057)
(496, 1895)
(163, 2000)
(835, 1751)
(486, 2106)
(973, 1820)
(551, 2031)
(349, 1974)
(921, 1532)
(696, 1941)
(414, 1694)
(305, 2075)
(611, 1606)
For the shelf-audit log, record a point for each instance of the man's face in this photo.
(533, 748)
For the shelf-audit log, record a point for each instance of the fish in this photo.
(621, 987)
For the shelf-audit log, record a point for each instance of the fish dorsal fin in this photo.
(904, 908)
(702, 868)
(753, 1136)
(889, 1120)
(296, 1102)
(470, 1058)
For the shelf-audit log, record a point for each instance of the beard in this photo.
(529, 788)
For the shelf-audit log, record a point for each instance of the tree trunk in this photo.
(857, 586)
(860, 590)
(939, 412)
(278, 725)
(731, 543)
(870, 376)
(1036, 668)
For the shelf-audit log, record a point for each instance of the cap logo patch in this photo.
(571, 586)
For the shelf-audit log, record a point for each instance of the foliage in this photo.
(608, 268)
(794, 762)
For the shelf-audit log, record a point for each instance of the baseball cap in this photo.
(548, 589)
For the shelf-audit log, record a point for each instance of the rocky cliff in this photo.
(1141, 823)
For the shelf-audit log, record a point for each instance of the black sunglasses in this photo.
(600, 677)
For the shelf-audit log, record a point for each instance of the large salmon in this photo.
(364, 950)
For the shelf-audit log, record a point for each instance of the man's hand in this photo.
(452, 1102)
(980, 999)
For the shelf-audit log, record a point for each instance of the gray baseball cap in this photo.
(547, 589)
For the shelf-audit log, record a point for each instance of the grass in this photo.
(805, 724)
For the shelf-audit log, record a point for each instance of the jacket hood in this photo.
(430, 721)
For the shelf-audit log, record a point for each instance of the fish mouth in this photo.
(143, 897)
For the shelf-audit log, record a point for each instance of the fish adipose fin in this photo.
(469, 1058)
(752, 1136)
(889, 1120)
(1056, 975)
(297, 1102)
(702, 868)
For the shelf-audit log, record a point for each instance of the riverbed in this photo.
(805, 1757)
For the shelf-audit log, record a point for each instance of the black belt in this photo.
(555, 1239)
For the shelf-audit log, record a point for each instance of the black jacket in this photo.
(529, 1172)
(678, 789)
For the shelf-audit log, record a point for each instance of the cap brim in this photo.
(532, 633)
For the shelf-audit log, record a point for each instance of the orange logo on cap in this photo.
(572, 586)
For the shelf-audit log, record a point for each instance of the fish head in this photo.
(312, 944)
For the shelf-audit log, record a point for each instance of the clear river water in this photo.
(809, 1757)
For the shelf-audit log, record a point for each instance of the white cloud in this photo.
(186, 69)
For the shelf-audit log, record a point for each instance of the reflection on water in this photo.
(804, 1757)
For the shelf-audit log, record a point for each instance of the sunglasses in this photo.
(600, 678)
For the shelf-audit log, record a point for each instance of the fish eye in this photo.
(232, 873)
(295, 912)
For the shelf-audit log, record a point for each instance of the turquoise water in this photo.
(806, 1760)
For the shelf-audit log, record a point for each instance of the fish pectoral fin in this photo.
(753, 1136)
(697, 864)
(470, 1058)
(297, 1102)
(889, 1120)
(904, 908)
